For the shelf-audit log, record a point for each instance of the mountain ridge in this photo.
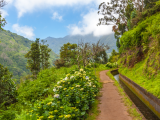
(56, 43)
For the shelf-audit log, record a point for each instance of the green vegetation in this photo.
(67, 91)
(139, 49)
(82, 54)
(68, 53)
(38, 57)
(44, 55)
(7, 87)
(140, 35)
(131, 109)
(42, 86)
(138, 75)
(101, 57)
(73, 96)
(32, 93)
(129, 14)
(45, 90)
(114, 56)
(142, 43)
(112, 65)
(2, 20)
(12, 50)
(34, 59)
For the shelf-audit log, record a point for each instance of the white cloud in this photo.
(25, 6)
(9, 1)
(89, 25)
(24, 31)
(4, 13)
(56, 16)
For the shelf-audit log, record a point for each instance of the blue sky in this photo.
(55, 18)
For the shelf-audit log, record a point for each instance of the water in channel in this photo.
(147, 113)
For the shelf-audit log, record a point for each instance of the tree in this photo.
(68, 53)
(44, 55)
(149, 3)
(7, 87)
(87, 52)
(114, 56)
(2, 20)
(110, 11)
(83, 54)
(38, 57)
(33, 62)
(101, 57)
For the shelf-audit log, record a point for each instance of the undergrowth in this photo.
(139, 76)
(142, 42)
(30, 92)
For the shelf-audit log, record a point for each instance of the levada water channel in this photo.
(147, 113)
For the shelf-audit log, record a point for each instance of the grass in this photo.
(139, 76)
(93, 112)
(131, 109)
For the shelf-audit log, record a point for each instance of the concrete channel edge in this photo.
(147, 98)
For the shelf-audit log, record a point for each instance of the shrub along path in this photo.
(111, 106)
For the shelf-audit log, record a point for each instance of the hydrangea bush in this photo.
(73, 96)
(112, 65)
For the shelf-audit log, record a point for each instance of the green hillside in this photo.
(140, 51)
(13, 47)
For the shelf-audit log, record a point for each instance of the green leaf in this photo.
(83, 113)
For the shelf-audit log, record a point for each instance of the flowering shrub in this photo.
(73, 96)
(112, 65)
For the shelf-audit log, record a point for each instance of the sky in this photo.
(53, 18)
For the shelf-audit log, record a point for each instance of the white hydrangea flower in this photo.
(56, 95)
(81, 88)
(87, 78)
(66, 78)
(77, 85)
(71, 77)
(54, 90)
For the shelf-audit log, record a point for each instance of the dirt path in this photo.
(111, 105)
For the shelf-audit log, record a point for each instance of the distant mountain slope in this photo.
(12, 50)
(56, 43)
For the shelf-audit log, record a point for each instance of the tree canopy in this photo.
(7, 86)
(121, 14)
(38, 57)
(68, 52)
